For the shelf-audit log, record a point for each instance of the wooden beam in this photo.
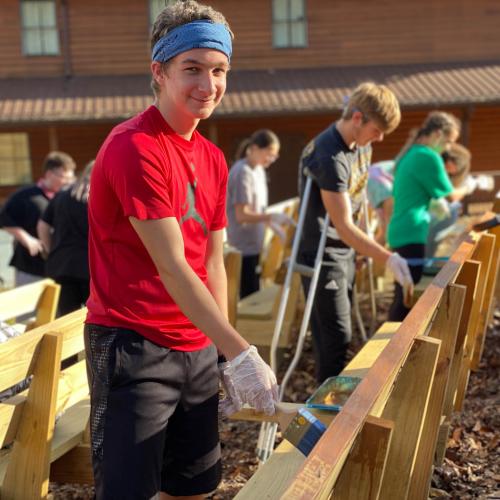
(321, 469)
(407, 406)
(482, 253)
(445, 329)
(361, 476)
(491, 255)
(46, 308)
(27, 474)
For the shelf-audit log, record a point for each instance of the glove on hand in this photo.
(399, 267)
(279, 231)
(281, 219)
(439, 209)
(250, 380)
(231, 402)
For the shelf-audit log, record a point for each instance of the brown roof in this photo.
(311, 90)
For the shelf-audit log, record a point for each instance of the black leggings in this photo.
(250, 278)
(398, 310)
(74, 295)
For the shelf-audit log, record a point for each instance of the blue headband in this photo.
(203, 34)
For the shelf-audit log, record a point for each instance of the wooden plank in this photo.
(492, 256)
(361, 476)
(74, 467)
(27, 474)
(482, 253)
(286, 459)
(46, 307)
(443, 432)
(364, 359)
(468, 277)
(22, 300)
(271, 480)
(72, 387)
(444, 328)
(406, 406)
(16, 355)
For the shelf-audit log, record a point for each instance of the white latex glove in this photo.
(278, 230)
(250, 380)
(485, 182)
(281, 219)
(439, 209)
(399, 267)
(231, 402)
(470, 184)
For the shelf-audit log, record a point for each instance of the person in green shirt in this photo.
(420, 176)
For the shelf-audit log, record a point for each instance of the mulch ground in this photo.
(471, 469)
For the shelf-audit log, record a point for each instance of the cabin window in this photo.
(39, 28)
(289, 23)
(15, 162)
(155, 7)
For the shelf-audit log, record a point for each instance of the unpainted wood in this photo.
(443, 432)
(27, 474)
(23, 299)
(263, 483)
(72, 387)
(407, 406)
(361, 476)
(74, 467)
(491, 255)
(259, 331)
(16, 355)
(468, 277)
(481, 253)
(445, 329)
(46, 307)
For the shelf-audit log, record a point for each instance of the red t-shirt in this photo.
(145, 170)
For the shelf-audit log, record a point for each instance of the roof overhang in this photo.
(250, 93)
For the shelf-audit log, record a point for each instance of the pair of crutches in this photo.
(267, 435)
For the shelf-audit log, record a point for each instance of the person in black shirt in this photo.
(337, 160)
(20, 214)
(63, 230)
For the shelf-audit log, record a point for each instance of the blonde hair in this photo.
(377, 103)
(177, 14)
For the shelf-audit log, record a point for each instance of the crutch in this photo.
(267, 433)
(369, 265)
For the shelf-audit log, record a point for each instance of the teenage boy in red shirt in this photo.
(158, 300)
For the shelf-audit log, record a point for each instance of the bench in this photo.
(36, 447)
(393, 429)
(38, 299)
(31, 440)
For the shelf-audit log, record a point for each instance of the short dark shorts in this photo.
(154, 420)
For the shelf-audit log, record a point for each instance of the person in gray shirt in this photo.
(247, 200)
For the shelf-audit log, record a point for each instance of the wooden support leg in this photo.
(444, 328)
(468, 277)
(406, 406)
(361, 476)
(27, 473)
(482, 253)
(490, 254)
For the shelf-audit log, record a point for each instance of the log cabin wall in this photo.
(112, 36)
